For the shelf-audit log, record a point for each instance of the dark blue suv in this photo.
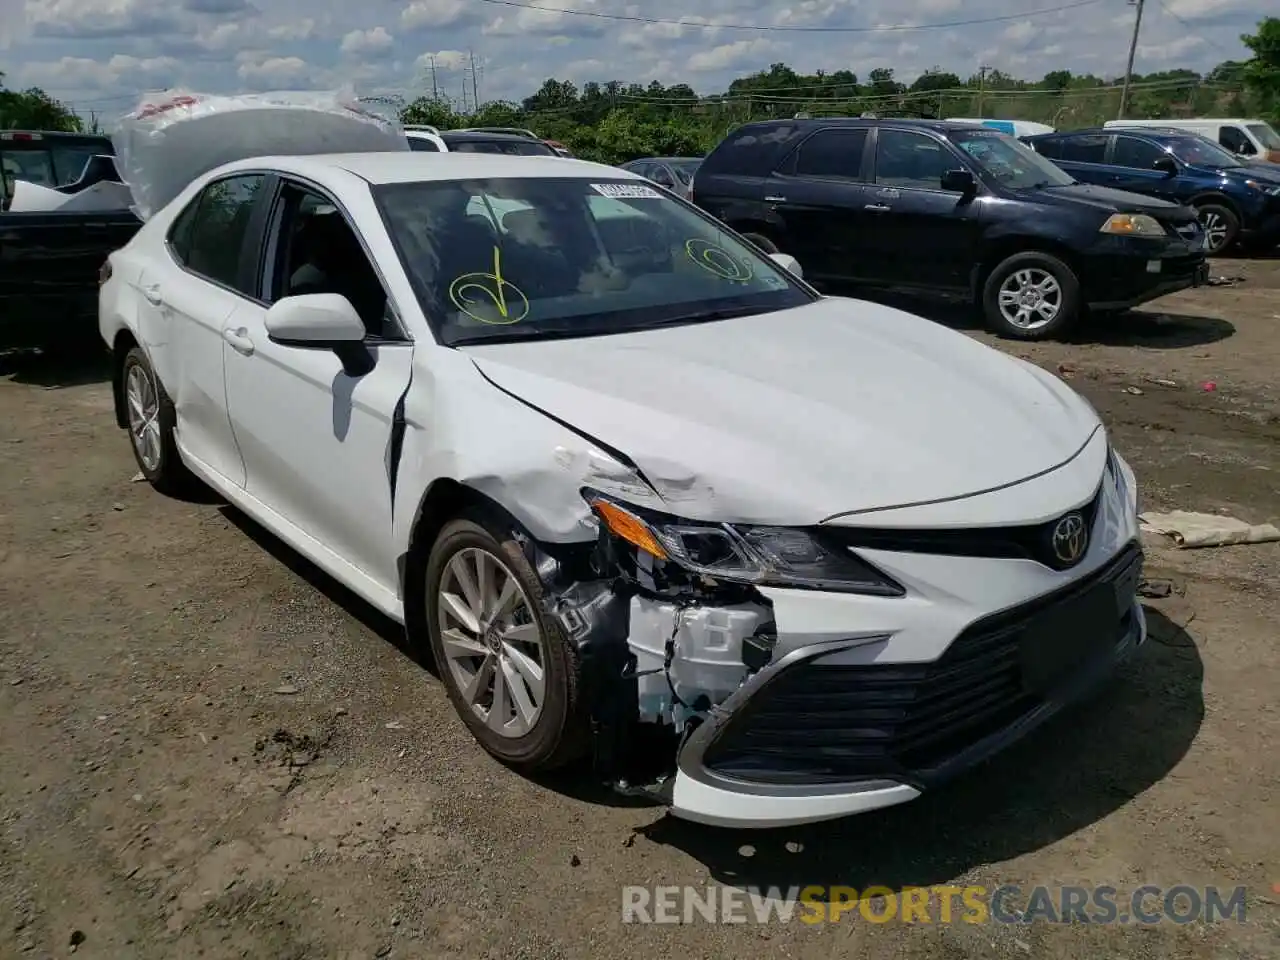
(1235, 201)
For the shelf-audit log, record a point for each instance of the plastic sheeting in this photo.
(175, 137)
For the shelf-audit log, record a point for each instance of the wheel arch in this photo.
(999, 249)
(1221, 199)
(124, 342)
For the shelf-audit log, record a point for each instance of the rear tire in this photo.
(150, 417)
(1221, 226)
(1031, 296)
(490, 627)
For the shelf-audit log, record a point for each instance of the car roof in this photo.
(809, 123)
(1152, 132)
(407, 166)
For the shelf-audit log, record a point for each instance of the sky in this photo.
(102, 55)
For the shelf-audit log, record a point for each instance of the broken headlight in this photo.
(738, 553)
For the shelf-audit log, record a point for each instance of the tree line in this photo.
(614, 121)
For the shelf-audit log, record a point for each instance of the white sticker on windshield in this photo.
(626, 191)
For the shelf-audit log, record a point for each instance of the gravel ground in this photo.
(207, 748)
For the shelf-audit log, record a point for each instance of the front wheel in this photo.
(1221, 226)
(1031, 296)
(510, 671)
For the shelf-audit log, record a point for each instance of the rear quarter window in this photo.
(754, 150)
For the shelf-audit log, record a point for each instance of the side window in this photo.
(423, 145)
(908, 159)
(317, 251)
(662, 176)
(832, 153)
(1050, 147)
(1234, 140)
(1092, 149)
(182, 229)
(1132, 152)
(218, 234)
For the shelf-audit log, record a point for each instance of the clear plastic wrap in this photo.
(174, 137)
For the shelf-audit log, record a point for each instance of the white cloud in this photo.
(731, 55)
(436, 14)
(442, 60)
(362, 43)
(273, 70)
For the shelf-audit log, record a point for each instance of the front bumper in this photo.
(1131, 272)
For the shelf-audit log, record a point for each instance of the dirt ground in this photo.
(208, 749)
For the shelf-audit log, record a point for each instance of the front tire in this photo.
(1031, 296)
(1221, 226)
(510, 671)
(151, 418)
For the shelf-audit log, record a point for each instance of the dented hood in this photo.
(799, 415)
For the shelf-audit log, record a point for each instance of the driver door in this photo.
(317, 440)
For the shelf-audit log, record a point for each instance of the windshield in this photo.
(519, 259)
(1009, 162)
(1202, 152)
(522, 147)
(685, 169)
(1266, 136)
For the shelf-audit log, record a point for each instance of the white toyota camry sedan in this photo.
(627, 478)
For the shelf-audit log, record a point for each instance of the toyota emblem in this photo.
(1069, 539)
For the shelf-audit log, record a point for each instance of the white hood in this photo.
(796, 416)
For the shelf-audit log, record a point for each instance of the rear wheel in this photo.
(510, 671)
(1031, 296)
(150, 418)
(1221, 226)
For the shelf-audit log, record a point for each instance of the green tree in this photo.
(1261, 75)
(33, 109)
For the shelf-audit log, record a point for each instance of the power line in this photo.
(902, 27)
(1195, 30)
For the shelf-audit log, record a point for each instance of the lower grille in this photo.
(817, 723)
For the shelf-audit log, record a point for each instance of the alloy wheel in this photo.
(492, 641)
(1215, 230)
(143, 400)
(1030, 298)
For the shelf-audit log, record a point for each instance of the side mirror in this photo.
(789, 263)
(322, 320)
(1166, 165)
(959, 181)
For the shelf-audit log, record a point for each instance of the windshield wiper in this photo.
(700, 316)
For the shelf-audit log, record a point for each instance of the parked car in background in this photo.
(556, 145)
(951, 208)
(475, 141)
(1234, 201)
(1249, 140)
(49, 259)
(674, 173)
(830, 553)
(1015, 128)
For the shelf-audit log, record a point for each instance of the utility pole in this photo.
(475, 86)
(435, 90)
(1128, 70)
(982, 87)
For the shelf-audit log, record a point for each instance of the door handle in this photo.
(877, 207)
(775, 199)
(239, 340)
(152, 293)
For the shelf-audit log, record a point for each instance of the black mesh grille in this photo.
(820, 723)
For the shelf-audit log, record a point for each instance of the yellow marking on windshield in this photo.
(716, 259)
(477, 294)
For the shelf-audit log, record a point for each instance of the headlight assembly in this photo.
(1133, 225)
(736, 553)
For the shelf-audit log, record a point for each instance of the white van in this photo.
(1250, 140)
(1014, 128)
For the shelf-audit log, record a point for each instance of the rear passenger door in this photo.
(922, 235)
(1085, 157)
(820, 195)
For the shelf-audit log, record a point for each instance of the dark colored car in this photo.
(50, 259)
(1235, 200)
(674, 173)
(476, 141)
(949, 208)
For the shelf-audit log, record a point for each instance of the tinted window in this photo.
(1009, 162)
(661, 175)
(1051, 148)
(686, 170)
(1235, 141)
(422, 144)
(1084, 149)
(221, 223)
(908, 159)
(1202, 152)
(832, 153)
(1266, 136)
(516, 258)
(1132, 152)
(523, 148)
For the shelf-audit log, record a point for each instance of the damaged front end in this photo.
(669, 623)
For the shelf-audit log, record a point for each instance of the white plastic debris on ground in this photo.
(175, 137)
